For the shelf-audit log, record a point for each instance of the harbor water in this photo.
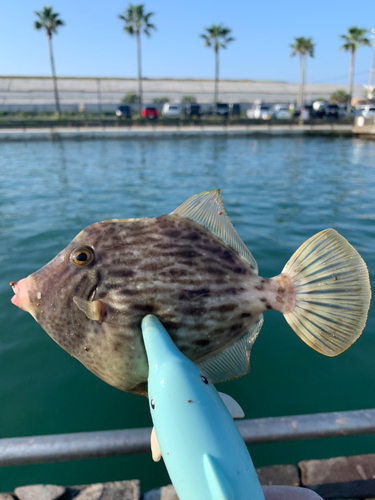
(278, 191)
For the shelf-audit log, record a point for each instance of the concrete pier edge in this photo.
(158, 132)
(334, 478)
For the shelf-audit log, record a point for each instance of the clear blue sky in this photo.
(93, 44)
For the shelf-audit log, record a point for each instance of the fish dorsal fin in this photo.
(207, 210)
(234, 362)
(155, 447)
(232, 406)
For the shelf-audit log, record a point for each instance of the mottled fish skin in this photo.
(204, 294)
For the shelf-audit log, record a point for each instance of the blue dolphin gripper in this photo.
(194, 432)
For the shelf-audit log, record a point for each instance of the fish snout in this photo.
(22, 293)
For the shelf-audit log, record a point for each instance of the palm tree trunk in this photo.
(301, 79)
(351, 77)
(216, 76)
(139, 72)
(57, 104)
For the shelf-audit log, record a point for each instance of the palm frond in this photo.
(354, 38)
(48, 19)
(217, 35)
(136, 20)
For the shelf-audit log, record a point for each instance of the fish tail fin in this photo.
(332, 293)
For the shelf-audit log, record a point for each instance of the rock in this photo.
(39, 492)
(341, 477)
(116, 490)
(6, 496)
(163, 493)
(282, 475)
(92, 492)
(289, 493)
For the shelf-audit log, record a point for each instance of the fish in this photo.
(194, 431)
(190, 269)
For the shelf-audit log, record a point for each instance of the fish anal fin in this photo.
(234, 361)
(207, 210)
(155, 447)
(94, 310)
(232, 406)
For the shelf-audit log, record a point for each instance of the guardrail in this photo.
(84, 445)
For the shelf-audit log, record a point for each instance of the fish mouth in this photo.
(22, 290)
(15, 300)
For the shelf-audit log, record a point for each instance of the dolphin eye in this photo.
(82, 256)
(204, 379)
(152, 404)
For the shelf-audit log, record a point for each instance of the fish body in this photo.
(192, 271)
(195, 434)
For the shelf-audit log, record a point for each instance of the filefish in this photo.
(191, 270)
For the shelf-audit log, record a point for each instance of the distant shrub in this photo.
(130, 97)
(160, 100)
(339, 97)
(188, 98)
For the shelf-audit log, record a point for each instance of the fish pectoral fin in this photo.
(232, 406)
(94, 310)
(155, 447)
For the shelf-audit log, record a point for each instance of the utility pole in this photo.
(370, 89)
(99, 96)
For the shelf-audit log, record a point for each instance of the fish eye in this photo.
(204, 379)
(82, 256)
(152, 404)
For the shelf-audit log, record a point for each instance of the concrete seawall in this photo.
(167, 132)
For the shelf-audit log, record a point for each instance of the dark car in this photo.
(193, 109)
(221, 109)
(124, 111)
(331, 111)
(235, 109)
(149, 112)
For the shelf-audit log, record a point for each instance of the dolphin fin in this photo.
(94, 310)
(232, 406)
(217, 482)
(155, 447)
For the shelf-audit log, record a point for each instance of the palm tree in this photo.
(137, 22)
(50, 21)
(217, 36)
(303, 47)
(354, 38)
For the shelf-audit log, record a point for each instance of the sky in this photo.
(93, 43)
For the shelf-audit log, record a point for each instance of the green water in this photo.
(277, 191)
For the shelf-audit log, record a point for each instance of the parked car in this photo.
(124, 111)
(331, 111)
(171, 110)
(280, 112)
(221, 109)
(235, 109)
(262, 112)
(192, 110)
(149, 112)
(307, 112)
(368, 111)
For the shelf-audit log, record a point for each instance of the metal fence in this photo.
(83, 445)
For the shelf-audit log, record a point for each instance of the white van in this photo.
(171, 110)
